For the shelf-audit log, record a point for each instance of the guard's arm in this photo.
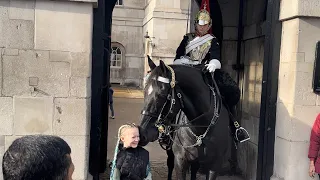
(215, 49)
(182, 48)
(214, 62)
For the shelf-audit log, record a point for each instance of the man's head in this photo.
(203, 22)
(38, 157)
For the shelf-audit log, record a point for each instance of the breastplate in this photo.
(200, 52)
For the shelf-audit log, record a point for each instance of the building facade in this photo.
(45, 53)
(164, 23)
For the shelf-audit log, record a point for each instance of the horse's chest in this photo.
(205, 150)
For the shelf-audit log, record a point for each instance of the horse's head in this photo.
(161, 102)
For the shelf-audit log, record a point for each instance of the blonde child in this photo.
(130, 162)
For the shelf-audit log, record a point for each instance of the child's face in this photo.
(130, 137)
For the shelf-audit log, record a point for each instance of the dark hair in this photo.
(41, 157)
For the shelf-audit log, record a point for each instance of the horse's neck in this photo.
(196, 94)
(196, 104)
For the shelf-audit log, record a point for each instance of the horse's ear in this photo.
(163, 66)
(151, 63)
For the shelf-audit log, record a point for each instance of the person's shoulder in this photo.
(214, 37)
(141, 149)
(318, 118)
(190, 35)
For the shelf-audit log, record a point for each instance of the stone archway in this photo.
(98, 124)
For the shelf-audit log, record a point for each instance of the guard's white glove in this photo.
(213, 65)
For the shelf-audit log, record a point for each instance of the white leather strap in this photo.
(163, 79)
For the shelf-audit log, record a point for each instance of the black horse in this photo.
(201, 138)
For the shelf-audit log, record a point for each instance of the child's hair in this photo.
(123, 127)
(120, 133)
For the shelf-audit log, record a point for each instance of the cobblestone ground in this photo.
(128, 110)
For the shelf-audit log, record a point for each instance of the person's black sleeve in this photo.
(215, 49)
(182, 48)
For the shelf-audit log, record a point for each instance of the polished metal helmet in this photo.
(203, 17)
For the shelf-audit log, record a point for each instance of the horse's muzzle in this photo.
(148, 131)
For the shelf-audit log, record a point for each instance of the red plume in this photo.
(206, 5)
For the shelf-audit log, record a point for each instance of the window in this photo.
(116, 57)
(119, 2)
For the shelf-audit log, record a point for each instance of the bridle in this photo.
(163, 122)
(171, 99)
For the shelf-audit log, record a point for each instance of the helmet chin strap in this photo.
(207, 31)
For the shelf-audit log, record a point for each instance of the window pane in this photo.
(113, 56)
(120, 2)
(118, 51)
(119, 63)
(118, 57)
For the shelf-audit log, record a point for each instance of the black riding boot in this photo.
(239, 133)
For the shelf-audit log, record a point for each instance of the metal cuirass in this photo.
(200, 52)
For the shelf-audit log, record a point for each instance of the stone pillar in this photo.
(45, 53)
(166, 23)
(297, 105)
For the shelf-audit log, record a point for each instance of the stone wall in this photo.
(166, 22)
(252, 54)
(127, 30)
(45, 53)
(297, 105)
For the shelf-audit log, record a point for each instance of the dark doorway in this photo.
(100, 79)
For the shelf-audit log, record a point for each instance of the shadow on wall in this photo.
(293, 128)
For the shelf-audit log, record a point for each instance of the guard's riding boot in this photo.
(239, 133)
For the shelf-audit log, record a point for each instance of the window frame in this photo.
(115, 47)
(118, 3)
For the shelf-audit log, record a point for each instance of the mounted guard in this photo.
(202, 49)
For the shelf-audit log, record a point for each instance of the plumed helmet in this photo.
(203, 17)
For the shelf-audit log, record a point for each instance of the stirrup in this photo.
(242, 134)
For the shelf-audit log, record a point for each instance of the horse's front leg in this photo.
(170, 163)
(194, 169)
(181, 167)
(211, 175)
